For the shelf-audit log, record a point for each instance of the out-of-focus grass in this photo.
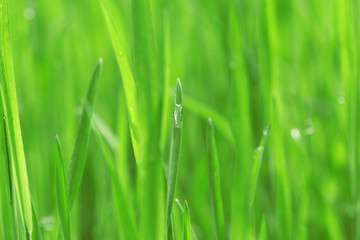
(245, 64)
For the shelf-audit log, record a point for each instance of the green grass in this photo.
(244, 64)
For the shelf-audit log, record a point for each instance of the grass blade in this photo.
(37, 234)
(127, 217)
(204, 111)
(214, 179)
(128, 82)
(193, 235)
(61, 192)
(80, 149)
(262, 233)
(186, 223)
(174, 150)
(16, 143)
(258, 155)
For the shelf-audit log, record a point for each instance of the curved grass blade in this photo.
(258, 155)
(16, 143)
(214, 179)
(186, 223)
(127, 216)
(174, 150)
(193, 235)
(8, 159)
(204, 111)
(61, 192)
(80, 149)
(128, 82)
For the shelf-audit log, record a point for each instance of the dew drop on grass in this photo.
(29, 13)
(341, 100)
(295, 134)
(178, 115)
(47, 222)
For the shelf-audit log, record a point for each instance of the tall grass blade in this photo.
(186, 223)
(263, 229)
(77, 164)
(128, 229)
(8, 160)
(16, 143)
(128, 82)
(61, 192)
(174, 150)
(258, 156)
(214, 182)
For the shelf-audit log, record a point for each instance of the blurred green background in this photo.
(293, 64)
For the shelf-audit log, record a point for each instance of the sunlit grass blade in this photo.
(186, 223)
(8, 159)
(126, 215)
(193, 235)
(174, 150)
(16, 143)
(77, 164)
(258, 155)
(205, 112)
(61, 192)
(128, 82)
(214, 182)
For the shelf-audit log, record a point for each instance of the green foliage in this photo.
(244, 64)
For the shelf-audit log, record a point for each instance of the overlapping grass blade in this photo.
(214, 182)
(127, 226)
(186, 223)
(61, 192)
(174, 150)
(258, 155)
(16, 143)
(193, 234)
(263, 229)
(77, 164)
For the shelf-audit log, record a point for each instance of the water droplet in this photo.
(295, 134)
(29, 13)
(341, 100)
(178, 115)
(310, 130)
(47, 222)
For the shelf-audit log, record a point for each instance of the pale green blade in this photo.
(78, 159)
(186, 223)
(11, 109)
(193, 234)
(61, 192)
(258, 156)
(214, 182)
(174, 150)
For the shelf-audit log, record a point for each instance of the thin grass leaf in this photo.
(205, 112)
(186, 223)
(193, 234)
(214, 182)
(126, 214)
(37, 234)
(8, 159)
(262, 232)
(165, 104)
(61, 192)
(258, 155)
(128, 82)
(77, 164)
(16, 143)
(174, 150)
